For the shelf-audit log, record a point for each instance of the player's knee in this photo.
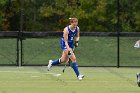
(64, 60)
(73, 59)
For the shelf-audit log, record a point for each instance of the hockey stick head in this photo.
(138, 79)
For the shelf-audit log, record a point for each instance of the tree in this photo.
(130, 15)
(9, 9)
(92, 14)
(52, 15)
(2, 3)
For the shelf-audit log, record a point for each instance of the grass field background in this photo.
(39, 80)
(92, 51)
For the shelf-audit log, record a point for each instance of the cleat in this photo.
(80, 77)
(138, 79)
(50, 65)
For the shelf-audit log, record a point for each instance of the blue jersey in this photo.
(71, 35)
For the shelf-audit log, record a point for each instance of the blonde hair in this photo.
(73, 19)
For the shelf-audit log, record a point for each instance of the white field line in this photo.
(30, 72)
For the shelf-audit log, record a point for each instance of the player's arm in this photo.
(77, 37)
(66, 38)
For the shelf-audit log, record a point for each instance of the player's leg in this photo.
(63, 59)
(75, 67)
(60, 60)
(55, 62)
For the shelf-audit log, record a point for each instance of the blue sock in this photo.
(55, 62)
(75, 68)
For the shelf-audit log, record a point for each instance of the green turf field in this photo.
(39, 80)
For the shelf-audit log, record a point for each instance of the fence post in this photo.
(17, 60)
(118, 33)
(20, 32)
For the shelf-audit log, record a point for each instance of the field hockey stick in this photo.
(64, 68)
(69, 62)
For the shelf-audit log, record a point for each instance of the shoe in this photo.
(50, 65)
(138, 79)
(80, 77)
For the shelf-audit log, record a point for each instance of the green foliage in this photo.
(52, 15)
(130, 15)
(92, 15)
(2, 3)
(8, 10)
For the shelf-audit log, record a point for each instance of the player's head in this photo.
(73, 21)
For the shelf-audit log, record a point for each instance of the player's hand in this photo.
(76, 44)
(69, 49)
